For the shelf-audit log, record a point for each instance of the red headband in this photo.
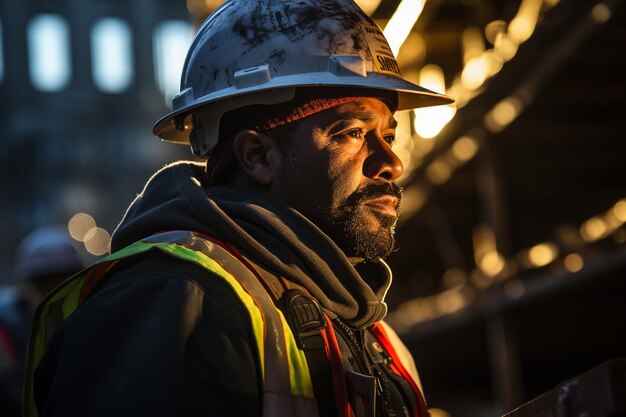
(290, 114)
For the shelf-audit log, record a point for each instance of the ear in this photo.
(258, 155)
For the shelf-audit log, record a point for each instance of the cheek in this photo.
(345, 176)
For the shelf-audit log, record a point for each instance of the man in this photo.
(251, 285)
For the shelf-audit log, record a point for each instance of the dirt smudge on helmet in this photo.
(296, 20)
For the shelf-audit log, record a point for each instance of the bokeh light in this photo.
(573, 262)
(97, 241)
(79, 225)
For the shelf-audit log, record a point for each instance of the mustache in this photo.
(376, 190)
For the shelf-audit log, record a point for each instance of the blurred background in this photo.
(511, 265)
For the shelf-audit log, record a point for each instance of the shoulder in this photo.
(155, 271)
(162, 328)
(156, 290)
(161, 298)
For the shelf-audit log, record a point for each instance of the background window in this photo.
(49, 52)
(1, 55)
(171, 41)
(111, 55)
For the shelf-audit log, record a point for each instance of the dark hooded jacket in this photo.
(162, 337)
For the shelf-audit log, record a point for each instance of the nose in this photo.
(382, 162)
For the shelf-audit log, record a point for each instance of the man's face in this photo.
(340, 172)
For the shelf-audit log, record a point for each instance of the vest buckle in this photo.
(305, 317)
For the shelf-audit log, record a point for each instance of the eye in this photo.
(355, 133)
(389, 139)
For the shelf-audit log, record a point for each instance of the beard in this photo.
(351, 227)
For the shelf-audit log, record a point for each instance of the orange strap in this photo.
(339, 381)
(381, 335)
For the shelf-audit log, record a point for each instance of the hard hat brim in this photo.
(174, 128)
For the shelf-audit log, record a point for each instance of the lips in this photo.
(386, 204)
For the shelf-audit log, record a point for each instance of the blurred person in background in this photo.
(44, 258)
(252, 284)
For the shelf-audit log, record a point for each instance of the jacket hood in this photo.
(263, 228)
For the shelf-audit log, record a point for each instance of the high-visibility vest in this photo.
(287, 387)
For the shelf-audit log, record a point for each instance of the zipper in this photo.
(356, 338)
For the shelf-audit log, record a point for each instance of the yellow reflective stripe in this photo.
(68, 295)
(299, 375)
(37, 344)
(70, 303)
(290, 372)
(255, 313)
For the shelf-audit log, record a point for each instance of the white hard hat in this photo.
(259, 51)
(46, 251)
